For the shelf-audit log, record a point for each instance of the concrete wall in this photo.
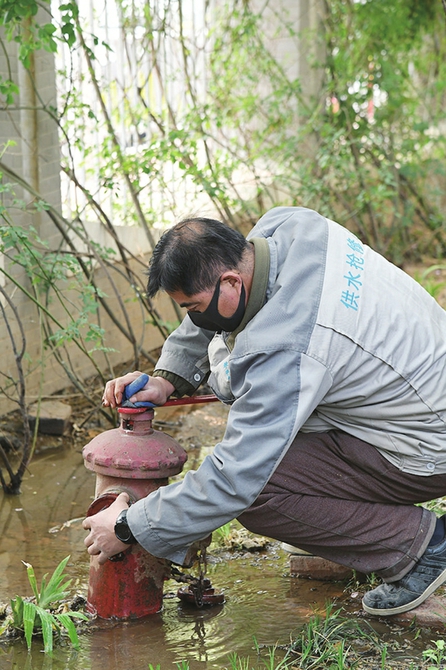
(300, 50)
(36, 158)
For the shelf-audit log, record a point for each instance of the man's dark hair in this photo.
(192, 255)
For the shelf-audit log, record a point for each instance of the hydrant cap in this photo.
(116, 453)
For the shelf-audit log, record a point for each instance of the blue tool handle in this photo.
(136, 386)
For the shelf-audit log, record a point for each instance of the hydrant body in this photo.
(136, 459)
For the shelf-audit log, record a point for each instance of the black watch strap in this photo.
(122, 529)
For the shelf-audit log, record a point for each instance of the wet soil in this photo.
(264, 604)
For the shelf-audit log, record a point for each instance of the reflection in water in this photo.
(55, 489)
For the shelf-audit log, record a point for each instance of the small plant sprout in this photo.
(38, 615)
(435, 656)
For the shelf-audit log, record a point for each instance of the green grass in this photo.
(329, 641)
(431, 284)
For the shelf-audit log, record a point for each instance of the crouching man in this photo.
(333, 362)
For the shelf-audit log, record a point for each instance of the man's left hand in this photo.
(101, 540)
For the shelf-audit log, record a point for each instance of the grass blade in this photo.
(67, 623)
(57, 575)
(47, 621)
(42, 589)
(32, 579)
(54, 590)
(78, 615)
(17, 611)
(29, 615)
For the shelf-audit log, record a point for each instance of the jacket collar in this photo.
(259, 285)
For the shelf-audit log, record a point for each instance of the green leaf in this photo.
(9, 89)
(47, 29)
(42, 589)
(54, 590)
(29, 615)
(47, 621)
(17, 611)
(67, 623)
(32, 579)
(78, 615)
(57, 575)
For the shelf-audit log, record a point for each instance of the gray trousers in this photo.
(337, 497)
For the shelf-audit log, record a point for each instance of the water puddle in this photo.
(264, 605)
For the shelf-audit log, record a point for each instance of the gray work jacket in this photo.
(341, 338)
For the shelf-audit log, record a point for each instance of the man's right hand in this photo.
(157, 390)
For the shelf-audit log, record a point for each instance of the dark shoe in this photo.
(413, 589)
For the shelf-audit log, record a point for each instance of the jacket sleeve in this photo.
(276, 392)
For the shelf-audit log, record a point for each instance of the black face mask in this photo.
(211, 319)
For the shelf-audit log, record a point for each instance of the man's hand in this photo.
(101, 540)
(157, 390)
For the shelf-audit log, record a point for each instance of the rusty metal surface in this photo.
(136, 459)
(135, 450)
(128, 589)
(199, 597)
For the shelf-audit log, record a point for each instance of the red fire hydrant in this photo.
(136, 459)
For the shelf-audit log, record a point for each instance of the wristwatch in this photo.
(122, 530)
